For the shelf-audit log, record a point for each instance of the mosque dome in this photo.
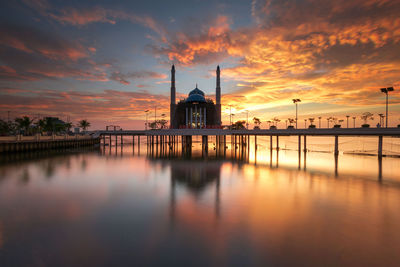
(196, 95)
(196, 91)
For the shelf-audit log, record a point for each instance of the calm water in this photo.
(113, 207)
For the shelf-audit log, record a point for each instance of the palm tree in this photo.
(68, 126)
(239, 125)
(311, 120)
(257, 123)
(41, 125)
(6, 127)
(84, 124)
(365, 117)
(24, 123)
(276, 121)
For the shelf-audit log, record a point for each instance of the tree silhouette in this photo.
(24, 123)
(40, 125)
(239, 125)
(365, 117)
(84, 124)
(276, 121)
(257, 123)
(68, 126)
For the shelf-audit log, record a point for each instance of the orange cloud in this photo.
(108, 105)
(324, 54)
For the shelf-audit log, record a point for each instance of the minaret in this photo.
(173, 97)
(218, 96)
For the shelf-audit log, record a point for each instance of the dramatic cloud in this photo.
(84, 16)
(334, 55)
(30, 40)
(29, 54)
(107, 105)
(337, 52)
(123, 78)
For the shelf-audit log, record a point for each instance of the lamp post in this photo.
(230, 117)
(354, 122)
(386, 91)
(319, 122)
(347, 117)
(305, 123)
(295, 101)
(147, 112)
(155, 116)
(247, 123)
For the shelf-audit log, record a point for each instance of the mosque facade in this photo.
(196, 111)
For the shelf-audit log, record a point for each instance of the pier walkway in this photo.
(171, 136)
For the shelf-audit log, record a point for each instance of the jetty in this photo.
(242, 137)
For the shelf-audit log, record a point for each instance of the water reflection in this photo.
(215, 205)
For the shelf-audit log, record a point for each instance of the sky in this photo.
(109, 61)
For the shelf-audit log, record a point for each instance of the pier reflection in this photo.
(240, 150)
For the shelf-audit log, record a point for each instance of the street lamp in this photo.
(354, 122)
(230, 117)
(247, 123)
(147, 112)
(319, 122)
(347, 116)
(155, 116)
(386, 91)
(295, 101)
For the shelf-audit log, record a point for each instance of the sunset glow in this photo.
(109, 62)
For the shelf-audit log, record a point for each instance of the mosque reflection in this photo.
(196, 172)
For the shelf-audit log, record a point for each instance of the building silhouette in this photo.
(195, 111)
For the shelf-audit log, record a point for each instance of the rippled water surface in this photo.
(115, 207)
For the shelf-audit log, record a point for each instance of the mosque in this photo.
(196, 111)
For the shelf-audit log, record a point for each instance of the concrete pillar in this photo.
(191, 117)
(200, 118)
(299, 143)
(255, 142)
(380, 145)
(270, 142)
(195, 118)
(380, 168)
(204, 141)
(305, 143)
(277, 142)
(205, 117)
(336, 145)
(186, 118)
